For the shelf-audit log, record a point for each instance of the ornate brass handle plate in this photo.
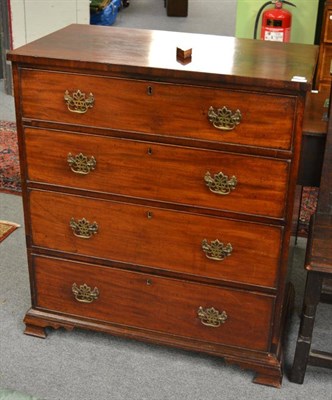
(220, 183)
(82, 228)
(81, 164)
(211, 317)
(224, 119)
(77, 102)
(216, 250)
(84, 294)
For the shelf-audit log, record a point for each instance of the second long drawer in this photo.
(180, 175)
(157, 238)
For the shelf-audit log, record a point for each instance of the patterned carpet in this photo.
(6, 228)
(308, 204)
(9, 159)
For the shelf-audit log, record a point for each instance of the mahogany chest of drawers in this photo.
(158, 192)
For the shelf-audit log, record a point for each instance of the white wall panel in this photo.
(17, 8)
(32, 19)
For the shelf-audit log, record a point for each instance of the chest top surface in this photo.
(153, 53)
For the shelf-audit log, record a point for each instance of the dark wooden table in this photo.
(319, 268)
(312, 151)
(313, 140)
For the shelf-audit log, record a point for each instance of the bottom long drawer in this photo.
(199, 311)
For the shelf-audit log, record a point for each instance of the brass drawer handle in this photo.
(216, 250)
(82, 228)
(81, 164)
(84, 294)
(212, 317)
(224, 119)
(220, 183)
(77, 102)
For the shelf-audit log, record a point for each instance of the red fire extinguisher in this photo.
(276, 22)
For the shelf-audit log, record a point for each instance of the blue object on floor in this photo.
(107, 16)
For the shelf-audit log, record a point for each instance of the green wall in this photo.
(303, 22)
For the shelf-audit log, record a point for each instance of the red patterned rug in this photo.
(308, 207)
(6, 228)
(10, 175)
(10, 180)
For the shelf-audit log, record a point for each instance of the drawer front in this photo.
(326, 63)
(328, 27)
(179, 175)
(157, 238)
(154, 303)
(160, 108)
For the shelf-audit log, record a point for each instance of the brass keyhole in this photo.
(149, 151)
(149, 282)
(150, 91)
(149, 215)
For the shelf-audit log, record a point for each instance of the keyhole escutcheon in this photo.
(149, 90)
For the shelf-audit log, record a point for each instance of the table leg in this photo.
(311, 299)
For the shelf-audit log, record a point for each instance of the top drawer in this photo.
(160, 108)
